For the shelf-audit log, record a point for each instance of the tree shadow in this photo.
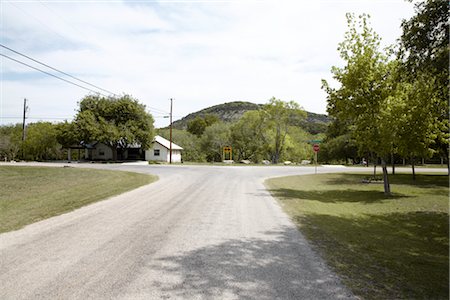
(279, 265)
(395, 256)
(335, 196)
(422, 180)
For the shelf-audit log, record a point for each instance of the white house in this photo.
(160, 151)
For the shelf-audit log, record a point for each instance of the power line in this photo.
(50, 67)
(158, 111)
(53, 75)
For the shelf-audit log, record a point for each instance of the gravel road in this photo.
(200, 232)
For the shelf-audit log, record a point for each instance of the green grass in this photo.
(383, 247)
(30, 194)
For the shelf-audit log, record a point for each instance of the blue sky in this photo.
(200, 53)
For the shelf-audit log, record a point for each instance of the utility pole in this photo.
(170, 155)
(25, 108)
(24, 117)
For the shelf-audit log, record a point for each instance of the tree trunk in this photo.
(374, 166)
(393, 163)
(69, 155)
(387, 187)
(413, 169)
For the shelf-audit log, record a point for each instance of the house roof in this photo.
(165, 143)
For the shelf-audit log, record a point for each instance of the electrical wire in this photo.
(53, 75)
(54, 69)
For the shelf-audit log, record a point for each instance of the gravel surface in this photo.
(200, 232)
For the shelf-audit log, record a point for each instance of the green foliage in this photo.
(362, 101)
(363, 90)
(250, 138)
(10, 141)
(280, 116)
(424, 52)
(189, 142)
(117, 123)
(214, 139)
(296, 148)
(232, 112)
(67, 134)
(264, 134)
(340, 148)
(198, 125)
(40, 142)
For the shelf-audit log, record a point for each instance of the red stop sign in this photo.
(316, 148)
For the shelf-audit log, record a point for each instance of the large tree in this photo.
(262, 134)
(214, 139)
(280, 116)
(250, 137)
(116, 122)
(40, 142)
(361, 100)
(424, 51)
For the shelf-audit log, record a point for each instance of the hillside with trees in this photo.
(269, 132)
(231, 112)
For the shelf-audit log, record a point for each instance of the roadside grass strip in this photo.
(31, 194)
(382, 247)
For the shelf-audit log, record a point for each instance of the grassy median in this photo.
(30, 194)
(382, 247)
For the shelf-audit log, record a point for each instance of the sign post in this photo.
(316, 149)
(227, 150)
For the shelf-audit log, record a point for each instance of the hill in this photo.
(233, 111)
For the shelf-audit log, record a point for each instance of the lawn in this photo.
(382, 247)
(30, 194)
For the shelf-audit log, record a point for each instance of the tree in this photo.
(116, 122)
(296, 146)
(413, 119)
(249, 137)
(214, 139)
(10, 141)
(40, 142)
(424, 52)
(279, 116)
(361, 101)
(198, 125)
(263, 133)
(67, 134)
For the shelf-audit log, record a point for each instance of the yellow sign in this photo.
(227, 150)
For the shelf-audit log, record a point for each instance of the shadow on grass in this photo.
(395, 256)
(279, 265)
(334, 196)
(422, 180)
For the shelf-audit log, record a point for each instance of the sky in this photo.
(199, 53)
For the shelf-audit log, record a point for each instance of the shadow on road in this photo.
(276, 266)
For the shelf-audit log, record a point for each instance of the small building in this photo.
(160, 151)
(100, 151)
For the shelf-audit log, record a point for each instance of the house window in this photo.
(156, 152)
(101, 152)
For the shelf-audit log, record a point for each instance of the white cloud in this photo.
(199, 53)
